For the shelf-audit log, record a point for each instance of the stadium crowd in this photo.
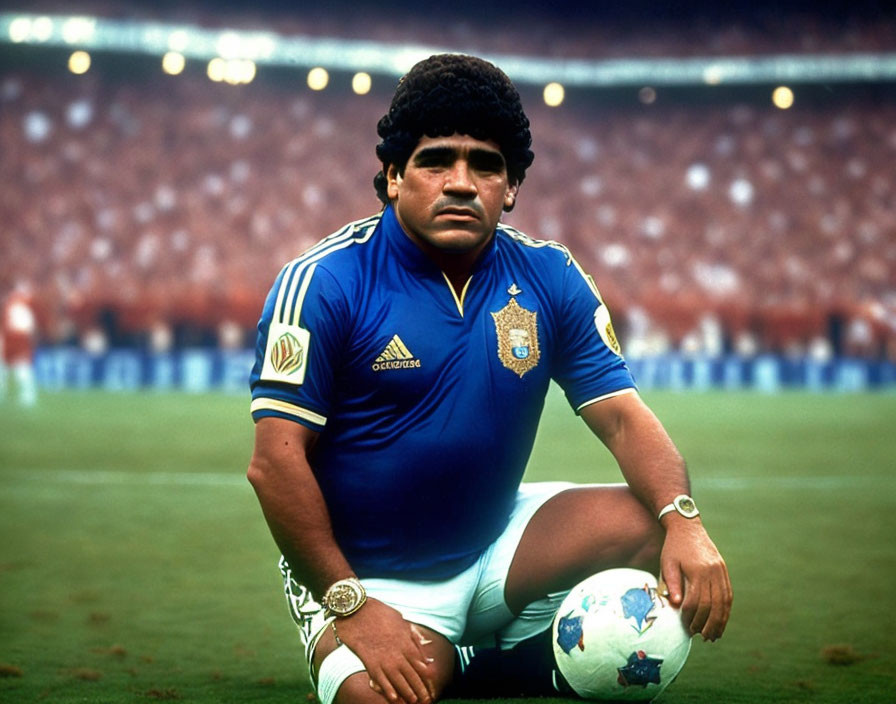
(146, 209)
(561, 28)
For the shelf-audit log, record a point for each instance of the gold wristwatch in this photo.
(344, 597)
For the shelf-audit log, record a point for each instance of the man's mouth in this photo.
(458, 213)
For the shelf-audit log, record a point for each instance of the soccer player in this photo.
(18, 332)
(402, 365)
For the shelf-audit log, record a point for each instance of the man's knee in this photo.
(341, 682)
(356, 690)
(647, 556)
(649, 537)
(577, 533)
(342, 678)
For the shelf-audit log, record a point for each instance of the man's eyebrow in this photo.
(487, 157)
(450, 153)
(439, 153)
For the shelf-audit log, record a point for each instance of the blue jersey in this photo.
(426, 402)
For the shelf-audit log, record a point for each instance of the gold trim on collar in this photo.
(459, 302)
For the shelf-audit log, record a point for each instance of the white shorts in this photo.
(468, 609)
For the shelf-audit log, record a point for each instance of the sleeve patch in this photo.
(605, 329)
(286, 355)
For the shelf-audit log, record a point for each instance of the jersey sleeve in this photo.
(300, 336)
(589, 365)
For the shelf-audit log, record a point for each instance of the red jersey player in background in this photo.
(18, 333)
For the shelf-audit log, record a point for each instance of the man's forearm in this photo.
(646, 455)
(294, 507)
(297, 515)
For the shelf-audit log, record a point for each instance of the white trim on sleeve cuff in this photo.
(630, 390)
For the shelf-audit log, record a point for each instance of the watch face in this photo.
(686, 506)
(344, 597)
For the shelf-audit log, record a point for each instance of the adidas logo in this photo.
(395, 356)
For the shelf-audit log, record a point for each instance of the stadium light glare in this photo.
(380, 58)
(242, 45)
(42, 29)
(554, 94)
(229, 45)
(173, 63)
(361, 83)
(78, 30)
(79, 62)
(177, 40)
(318, 78)
(260, 46)
(712, 75)
(782, 97)
(19, 30)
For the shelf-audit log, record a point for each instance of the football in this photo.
(616, 637)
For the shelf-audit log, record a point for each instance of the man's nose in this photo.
(460, 179)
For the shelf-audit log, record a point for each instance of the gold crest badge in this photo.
(517, 332)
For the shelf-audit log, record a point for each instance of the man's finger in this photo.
(703, 608)
(721, 610)
(381, 684)
(410, 686)
(671, 575)
(690, 606)
(422, 663)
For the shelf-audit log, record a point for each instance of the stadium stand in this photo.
(562, 28)
(149, 210)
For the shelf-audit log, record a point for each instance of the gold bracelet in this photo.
(335, 634)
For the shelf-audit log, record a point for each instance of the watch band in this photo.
(683, 504)
(668, 508)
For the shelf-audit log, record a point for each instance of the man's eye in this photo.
(433, 159)
(488, 164)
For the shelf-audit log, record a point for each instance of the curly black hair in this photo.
(454, 93)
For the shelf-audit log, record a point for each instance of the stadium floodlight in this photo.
(79, 62)
(782, 97)
(173, 63)
(216, 69)
(306, 52)
(361, 83)
(318, 78)
(553, 94)
(232, 71)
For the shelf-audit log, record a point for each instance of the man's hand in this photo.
(696, 576)
(391, 650)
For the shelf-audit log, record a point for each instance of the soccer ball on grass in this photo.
(617, 638)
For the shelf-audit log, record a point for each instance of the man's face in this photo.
(452, 192)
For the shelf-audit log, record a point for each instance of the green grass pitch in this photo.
(135, 564)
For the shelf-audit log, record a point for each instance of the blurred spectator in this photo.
(18, 330)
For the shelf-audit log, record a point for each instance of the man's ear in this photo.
(510, 197)
(393, 180)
